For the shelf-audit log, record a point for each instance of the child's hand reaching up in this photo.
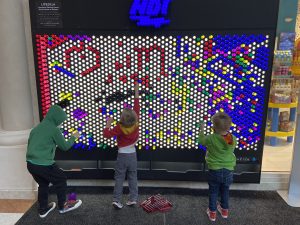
(201, 126)
(136, 90)
(109, 122)
(76, 134)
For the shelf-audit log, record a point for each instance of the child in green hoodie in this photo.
(221, 161)
(42, 143)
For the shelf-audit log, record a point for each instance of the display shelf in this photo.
(281, 77)
(283, 105)
(280, 134)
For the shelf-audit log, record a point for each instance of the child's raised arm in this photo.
(109, 122)
(136, 90)
(109, 133)
(202, 139)
(136, 106)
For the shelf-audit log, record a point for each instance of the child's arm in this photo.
(60, 141)
(202, 139)
(109, 133)
(234, 141)
(136, 106)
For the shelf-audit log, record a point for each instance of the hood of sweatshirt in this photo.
(56, 115)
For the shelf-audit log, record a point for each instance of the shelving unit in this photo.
(274, 115)
(283, 90)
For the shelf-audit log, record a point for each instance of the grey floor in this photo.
(247, 207)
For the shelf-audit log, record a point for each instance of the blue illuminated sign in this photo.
(150, 12)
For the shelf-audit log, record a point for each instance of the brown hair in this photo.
(221, 122)
(128, 118)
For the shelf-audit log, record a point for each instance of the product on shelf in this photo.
(280, 98)
(296, 85)
(286, 126)
(284, 116)
(294, 97)
(282, 64)
(284, 91)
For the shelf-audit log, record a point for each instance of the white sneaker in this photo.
(70, 205)
(117, 205)
(131, 203)
(44, 213)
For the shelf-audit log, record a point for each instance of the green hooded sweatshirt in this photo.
(44, 138)
(219, 155)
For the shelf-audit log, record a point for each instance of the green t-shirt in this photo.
(219, 154)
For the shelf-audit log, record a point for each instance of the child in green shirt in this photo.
(221, 161)
(42, 143)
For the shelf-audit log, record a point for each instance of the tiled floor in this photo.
(278, 158)
(11, 210)
(9, 218)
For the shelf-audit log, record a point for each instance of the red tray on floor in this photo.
(156, 203)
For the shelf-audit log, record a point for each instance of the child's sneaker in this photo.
(212, 216)
(223, 212)
(45, 212)
(131, 203)
(70, 205)
(117, 205)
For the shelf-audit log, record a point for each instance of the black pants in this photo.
(44, 175)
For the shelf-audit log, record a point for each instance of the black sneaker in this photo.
(44, 212)
(70, 205)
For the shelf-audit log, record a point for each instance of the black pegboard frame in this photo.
(261, 18)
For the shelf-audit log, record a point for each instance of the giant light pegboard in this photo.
(188, 69)
(184, 80)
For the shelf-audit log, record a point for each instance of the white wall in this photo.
(15, 98)
(15, 181)
(16, 114)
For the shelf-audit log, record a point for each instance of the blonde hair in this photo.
(128, 118)
(221, 122)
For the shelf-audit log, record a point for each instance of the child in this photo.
(42, 143)
(127, 133)
(221, 161)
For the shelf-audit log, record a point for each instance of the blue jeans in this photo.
(219, 182)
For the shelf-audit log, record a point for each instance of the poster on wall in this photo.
(49, 14)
